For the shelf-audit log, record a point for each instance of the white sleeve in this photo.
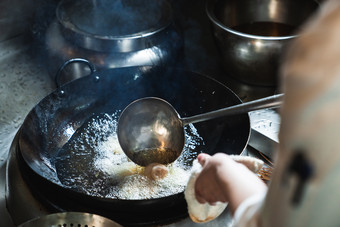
(248, 212)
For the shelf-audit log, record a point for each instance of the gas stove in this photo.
(24, 81)
(29, 82)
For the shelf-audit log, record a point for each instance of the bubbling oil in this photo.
(93, 162)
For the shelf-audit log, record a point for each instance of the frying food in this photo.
(156, 171)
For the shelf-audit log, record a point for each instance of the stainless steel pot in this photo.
(112, 34)
(252, 35)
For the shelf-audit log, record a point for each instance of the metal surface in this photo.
(59, 50)
(117, 26)
(58, 79)
(151, 131)
(23, 82)
(265, 126)
(70, 219)
(253, 58)
(263, 143)
(159, 44)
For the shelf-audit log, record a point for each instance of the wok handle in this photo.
(68, 62)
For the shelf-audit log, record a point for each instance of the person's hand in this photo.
(211, 184)
(224, 180)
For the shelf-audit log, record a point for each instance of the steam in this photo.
(116, 18)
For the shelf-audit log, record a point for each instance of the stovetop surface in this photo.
(22, 84)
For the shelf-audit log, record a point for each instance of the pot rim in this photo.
(121, 43)
(209, 8)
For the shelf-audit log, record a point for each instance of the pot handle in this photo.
(68, 62)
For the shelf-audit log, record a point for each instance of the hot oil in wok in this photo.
(92, 162)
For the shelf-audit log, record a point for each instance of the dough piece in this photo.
(156, 171)
(201, 213)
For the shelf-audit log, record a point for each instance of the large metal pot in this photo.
(112, 34)
(52, 123)
(251, 35)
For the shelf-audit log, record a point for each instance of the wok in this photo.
(50, 125)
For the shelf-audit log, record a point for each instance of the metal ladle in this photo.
(151, 131)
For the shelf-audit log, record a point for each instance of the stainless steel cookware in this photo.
(251, 35)
(112, 34)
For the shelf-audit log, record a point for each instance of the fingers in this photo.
(200, 187)
(202, 158)
(211, 199)
(199, 198)
(208, 187)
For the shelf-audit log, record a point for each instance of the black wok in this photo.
(52, 122)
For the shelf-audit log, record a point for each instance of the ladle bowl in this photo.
(151, 131)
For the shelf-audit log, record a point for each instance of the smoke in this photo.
(134, 17)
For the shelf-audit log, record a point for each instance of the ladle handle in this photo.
(263, 103)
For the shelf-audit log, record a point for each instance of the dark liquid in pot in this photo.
(266, 29)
